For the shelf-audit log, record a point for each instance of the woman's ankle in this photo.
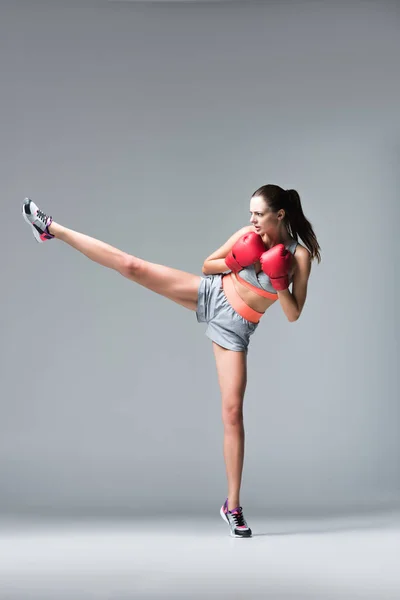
(54, 228)
(233, 502)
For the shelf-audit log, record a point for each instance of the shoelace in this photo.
(42, 216)
(239, 519)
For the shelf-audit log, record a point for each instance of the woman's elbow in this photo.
(294, 317)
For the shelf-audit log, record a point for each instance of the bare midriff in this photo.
(256, 302)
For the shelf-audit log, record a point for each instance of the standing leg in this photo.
(232, 378)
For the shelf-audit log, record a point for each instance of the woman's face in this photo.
(262, 218)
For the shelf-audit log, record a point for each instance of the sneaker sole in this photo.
(35, 232)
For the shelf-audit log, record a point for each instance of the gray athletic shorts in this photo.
(225, 326)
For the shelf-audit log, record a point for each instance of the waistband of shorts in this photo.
(239, 305)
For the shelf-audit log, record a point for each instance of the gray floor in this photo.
(353, 558)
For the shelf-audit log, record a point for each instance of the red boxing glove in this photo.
(245, 251)
(276, 263)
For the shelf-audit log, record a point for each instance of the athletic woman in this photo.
(253, 269)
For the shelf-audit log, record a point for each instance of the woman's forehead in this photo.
(257, 204)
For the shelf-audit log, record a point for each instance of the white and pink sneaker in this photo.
(236, 521)
(38, 220)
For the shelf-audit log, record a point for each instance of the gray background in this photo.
(149, 126)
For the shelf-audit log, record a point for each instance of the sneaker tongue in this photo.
(236, 510)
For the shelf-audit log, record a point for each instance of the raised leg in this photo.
(179, 286)
(232, 378)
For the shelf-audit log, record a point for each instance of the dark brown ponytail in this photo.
(296, 223)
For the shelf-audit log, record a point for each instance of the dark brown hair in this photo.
(296, 223)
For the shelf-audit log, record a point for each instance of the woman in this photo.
(241, 280)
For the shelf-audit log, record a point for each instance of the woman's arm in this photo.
(215, 263)
(293, 302)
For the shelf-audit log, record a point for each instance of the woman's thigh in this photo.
(179, 286)
(232, 378)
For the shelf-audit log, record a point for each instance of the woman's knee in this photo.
(130, 266)
(232, 414)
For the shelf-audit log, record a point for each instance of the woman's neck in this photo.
(281, 237)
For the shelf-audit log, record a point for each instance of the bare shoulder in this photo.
(302, 260)
(302, 252)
